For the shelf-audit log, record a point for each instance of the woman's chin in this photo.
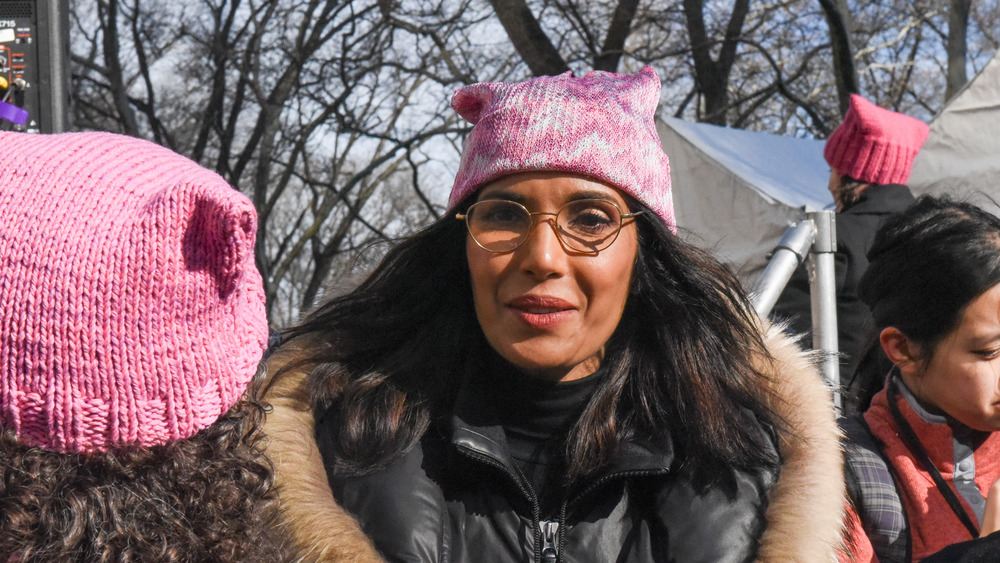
(550, 367)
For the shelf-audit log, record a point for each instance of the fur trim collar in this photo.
(318, 529)
(806, 512)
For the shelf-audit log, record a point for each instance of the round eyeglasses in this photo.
(586, 225)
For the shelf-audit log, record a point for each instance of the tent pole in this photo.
(823, 298)
(817, 235)
(787, 256)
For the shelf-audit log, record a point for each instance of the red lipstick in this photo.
(541, 311)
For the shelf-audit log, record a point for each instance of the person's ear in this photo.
(900, 350)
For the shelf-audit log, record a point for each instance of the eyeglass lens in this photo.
(589, 225)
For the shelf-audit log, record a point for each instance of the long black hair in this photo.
(925, 266)
(390, 356)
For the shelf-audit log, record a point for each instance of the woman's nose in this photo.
(542, 255)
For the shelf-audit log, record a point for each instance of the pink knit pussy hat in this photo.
(131, 313)
(600, 125)
(875, 145)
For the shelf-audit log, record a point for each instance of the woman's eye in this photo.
(988, 354)
(593, 219)
(502, 215)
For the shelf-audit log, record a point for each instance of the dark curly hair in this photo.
(206, 498)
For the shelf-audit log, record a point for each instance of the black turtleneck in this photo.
(536, 415)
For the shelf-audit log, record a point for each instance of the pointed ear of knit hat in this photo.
(600, 125)
(875, 145)
(131, 312)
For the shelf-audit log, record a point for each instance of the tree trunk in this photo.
(838, 18)
(528, 38)
(958, 25)
(712, 75)
(614, 43)
(108, 14)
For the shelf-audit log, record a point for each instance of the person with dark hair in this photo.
(870, 156)
(923, 455)
(549, 373)
(132, 322)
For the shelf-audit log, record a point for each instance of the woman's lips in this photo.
(539, 311)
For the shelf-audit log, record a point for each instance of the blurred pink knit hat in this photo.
(600, 125)
(875, 145)
(131, 312)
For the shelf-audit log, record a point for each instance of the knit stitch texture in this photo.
(875, 145)
(131, 312)
(600, 125)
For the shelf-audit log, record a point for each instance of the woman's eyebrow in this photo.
(505, 195)
(591, 194)
(984, 340)
(520, 198)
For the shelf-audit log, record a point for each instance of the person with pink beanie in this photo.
(132, 323)
(549, 372)
(870, 156)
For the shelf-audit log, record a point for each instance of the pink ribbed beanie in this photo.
(600, 125)
(131, 312)
(875, 145)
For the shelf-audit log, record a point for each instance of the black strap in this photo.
(910, 439)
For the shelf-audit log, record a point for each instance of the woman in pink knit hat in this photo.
(131, 325)
(549, 373)
(870, 156)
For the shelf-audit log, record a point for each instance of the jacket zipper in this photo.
(547, 533)
(550, 544)
(620, 475)
(539, 533)
(494, 463)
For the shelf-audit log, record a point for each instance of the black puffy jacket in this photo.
(457, 496)
(462, 498)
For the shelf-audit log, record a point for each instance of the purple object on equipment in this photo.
(12, 113)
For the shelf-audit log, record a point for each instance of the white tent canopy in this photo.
(737, 191)
(962, 154)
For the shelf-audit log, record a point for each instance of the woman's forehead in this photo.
(531, 187)
(980, 321)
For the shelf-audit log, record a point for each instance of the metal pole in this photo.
(787, 256)
(823, 298)
(54, 65)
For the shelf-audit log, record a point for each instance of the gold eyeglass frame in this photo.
(560, 233)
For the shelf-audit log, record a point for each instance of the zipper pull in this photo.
(550, 545)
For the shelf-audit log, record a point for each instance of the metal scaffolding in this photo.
(813, 239)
